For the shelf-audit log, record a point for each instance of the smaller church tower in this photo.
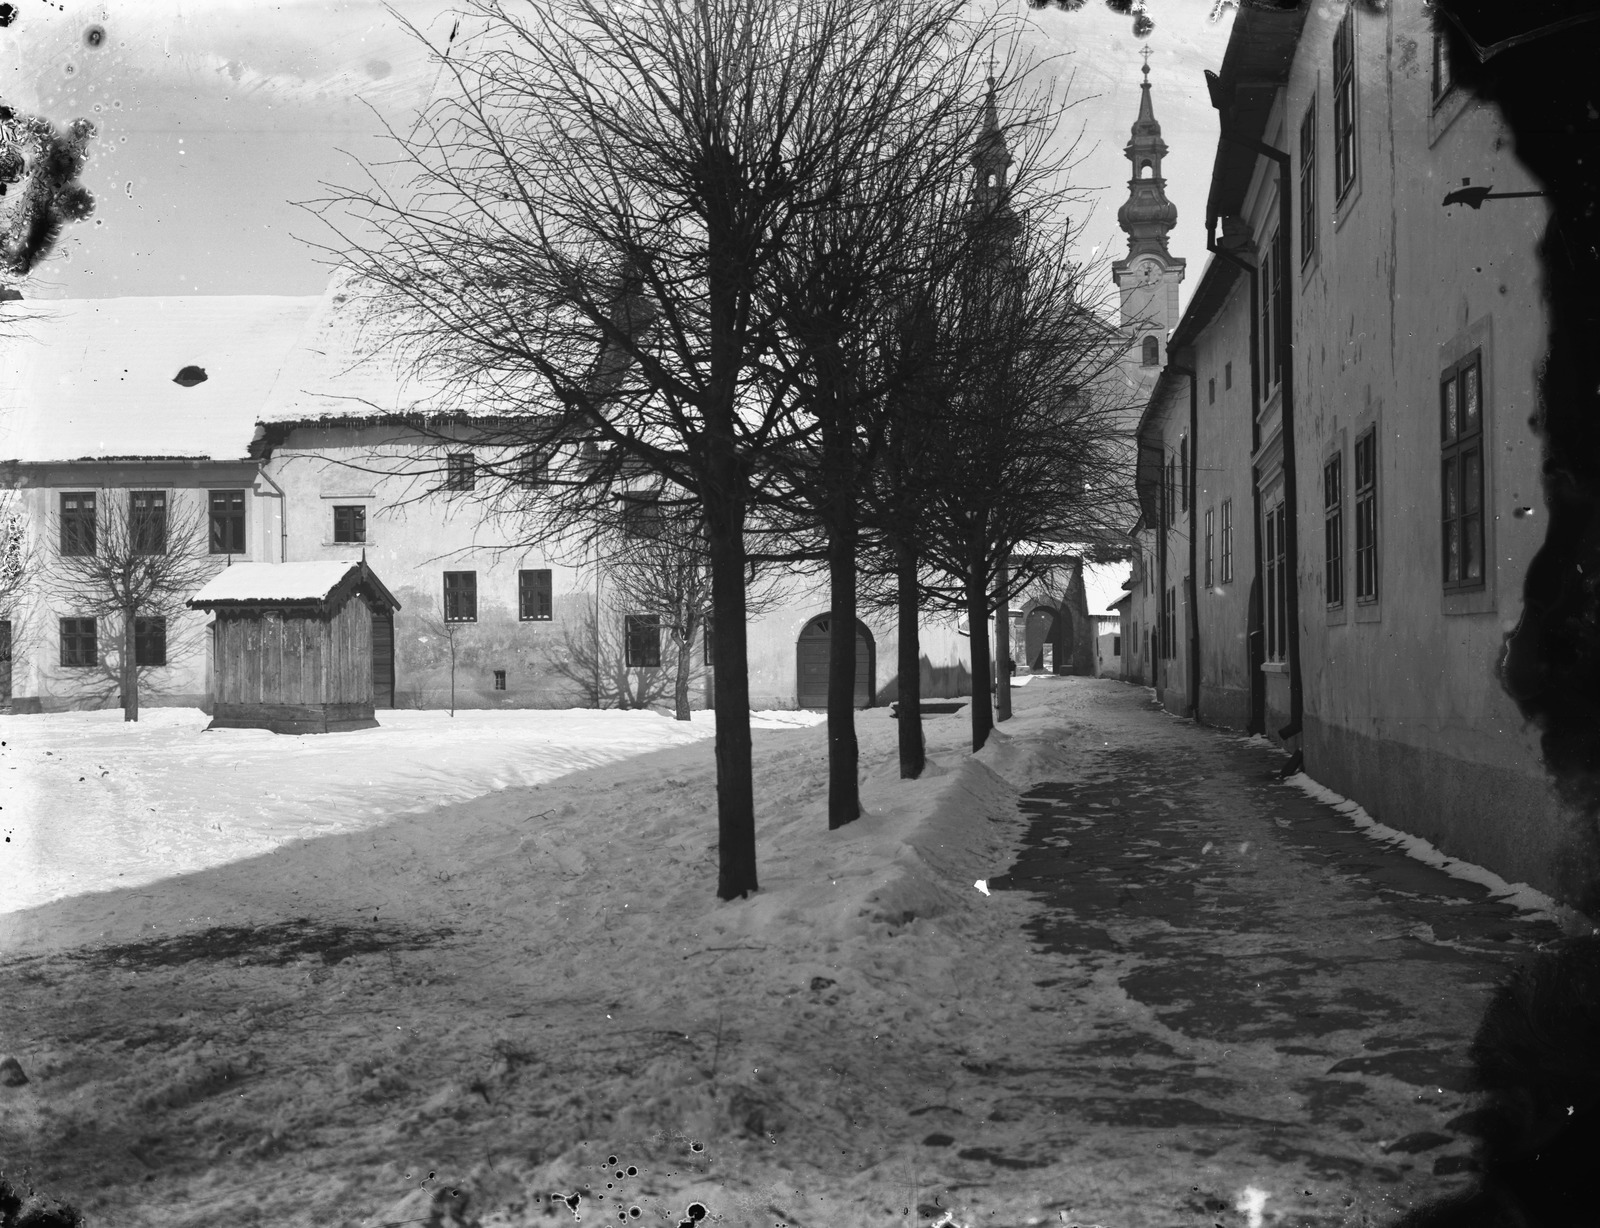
(990, 202)
(1148, 276)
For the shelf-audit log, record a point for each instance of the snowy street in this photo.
(1109, 971)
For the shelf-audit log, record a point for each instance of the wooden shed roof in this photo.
(323, 584)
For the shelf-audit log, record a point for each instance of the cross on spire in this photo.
(1146, 53)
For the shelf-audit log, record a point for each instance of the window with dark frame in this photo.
(1152, 352)
(150, 641)
(1344, 105)
(350, 523)
(1271, 311)
(533, 467)
(460, 471)
(641, 516)
(642, 633)
(227, 522)
(78, 647)
(1227, 375)
(1366, 467)
(499, 679)
(147, 521)
(1210, 542)
(535, 596)
(77, 523)
(1461, 473)
(1172, 489)
(1116, 645)
(1333, 529)
(1183, 472)
(1211, 391)
(1277, 584)
(1227, 540)
(1442, 79)
(461, 596)
(1308, 183)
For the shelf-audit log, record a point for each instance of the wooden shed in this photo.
(295, 646)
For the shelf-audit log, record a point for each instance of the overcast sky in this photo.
(216, 115)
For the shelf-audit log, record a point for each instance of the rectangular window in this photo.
(147, 521)
(499, 679)
(1210, 542)
(1344, 105)
(350, 523)
(641, 516)
(535, 596)
(533, 467)
(1461, 475)
(1272, 312)
(1211, 391)
(460, 471)
(1227, 375)
(1443, 78)
(150, 641)
(1183, 473)
(1333, 528)
(1116, 645)
(643, 635)
(77, 523)
(227, 522)
(1172, 490)
(1276, 606)
(1367, 516)
(461, 596)
(78, 642)
(1308, 183)
(1227, 540)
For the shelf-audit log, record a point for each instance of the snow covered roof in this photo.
(342, 369)
(1102, 585)
(260, 584)
(98, 378)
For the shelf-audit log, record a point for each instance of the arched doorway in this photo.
(1043, 631)
(811, 664)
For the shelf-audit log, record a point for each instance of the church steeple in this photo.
(1147, 215)
(991, 159)
(1148, 275)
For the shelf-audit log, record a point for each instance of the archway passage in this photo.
(1042, 631)
(811, 657)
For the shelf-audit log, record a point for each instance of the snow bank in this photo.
(1519, 895)
(311, 581)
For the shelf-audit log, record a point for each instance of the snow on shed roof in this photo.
(284, 583)
(95, 378)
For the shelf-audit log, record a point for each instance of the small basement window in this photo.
(499, 679)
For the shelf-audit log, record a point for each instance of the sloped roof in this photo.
(321, 582)
(1102, 585)
(341, 367)
(94, 378)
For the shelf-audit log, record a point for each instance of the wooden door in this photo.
(811, 661)
(383, 659)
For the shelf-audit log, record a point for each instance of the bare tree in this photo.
(591, 215)
(135, 557)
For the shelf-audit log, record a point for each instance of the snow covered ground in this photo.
(485, 956)
(89, 802)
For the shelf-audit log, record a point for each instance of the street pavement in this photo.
(1255, 986)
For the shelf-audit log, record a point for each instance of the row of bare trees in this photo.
(779, 265)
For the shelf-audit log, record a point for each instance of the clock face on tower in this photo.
(1148, 270)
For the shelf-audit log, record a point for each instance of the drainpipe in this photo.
(1253, 641)
(1290, 482)
(1161, 573)
(283, 514)
(1191, 590)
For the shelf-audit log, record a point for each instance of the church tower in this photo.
(1148, 276)
(990, 202)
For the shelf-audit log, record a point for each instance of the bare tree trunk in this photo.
(913, 750)
(680, 696)
(844, 799)
(1002, 646)
(736, 809)
(130, 668)
(977, 637)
